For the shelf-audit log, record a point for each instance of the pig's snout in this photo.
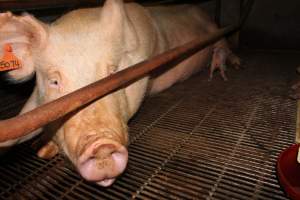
(102, 162)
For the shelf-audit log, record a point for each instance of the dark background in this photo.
(273, 25)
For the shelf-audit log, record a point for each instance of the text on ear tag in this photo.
(9, 61)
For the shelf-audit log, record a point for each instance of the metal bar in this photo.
(24, 124)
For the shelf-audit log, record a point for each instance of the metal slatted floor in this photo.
(198, 140)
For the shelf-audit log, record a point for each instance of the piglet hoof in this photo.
(102, 162)
(48, 151)
(221, 68)
(222, 72)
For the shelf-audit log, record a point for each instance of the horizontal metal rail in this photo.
(24, 124)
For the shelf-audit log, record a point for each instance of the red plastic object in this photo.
(288, 170)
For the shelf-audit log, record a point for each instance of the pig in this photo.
(89, 44)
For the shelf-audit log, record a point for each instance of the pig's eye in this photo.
(54, 81)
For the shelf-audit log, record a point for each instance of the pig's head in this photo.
(78, 49)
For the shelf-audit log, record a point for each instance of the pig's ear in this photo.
(26, 35)
(116, 27)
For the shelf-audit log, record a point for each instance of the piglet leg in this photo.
(219, 62)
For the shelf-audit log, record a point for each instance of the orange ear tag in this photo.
(9, 61)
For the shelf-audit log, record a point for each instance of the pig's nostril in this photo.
(101, 163)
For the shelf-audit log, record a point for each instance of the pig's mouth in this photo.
(102, 161)
(106, 182)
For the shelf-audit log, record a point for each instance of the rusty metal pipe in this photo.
(22, 125)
